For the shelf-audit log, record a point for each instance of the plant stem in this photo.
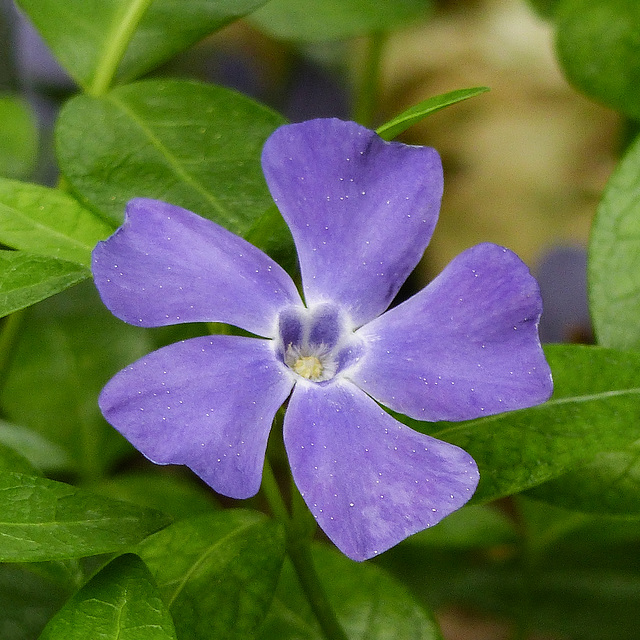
(367, 84)
(116, 46)
(299, 550)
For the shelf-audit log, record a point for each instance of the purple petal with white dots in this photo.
(166, 265)
(207, 403)
(369, 481)
(467, 345)
(361, 210)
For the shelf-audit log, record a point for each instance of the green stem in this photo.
(9, 341)
(368, 84)
(299, 550)
(116, 46)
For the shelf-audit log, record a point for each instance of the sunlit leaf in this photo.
(48, 222)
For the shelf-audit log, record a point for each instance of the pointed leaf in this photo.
(370, 604)
(82, 33)
(594, 408)
(418, 112)
(48, 222)
(26, 278)
(217, 572)
(45, 520)
(193, 145)
(614, 257)
(121, 602)
(318, 20)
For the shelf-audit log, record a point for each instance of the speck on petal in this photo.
(364, 255)
(366, 503)
(450, 351)
(199, 272)
(223, 401)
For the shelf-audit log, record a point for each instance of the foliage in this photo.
(97, 542)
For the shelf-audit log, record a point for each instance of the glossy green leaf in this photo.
(414, 114)
(88, 35)
(41, 452)
(598, 46)
(369, 604)
(26, 278)
(121, 602)
(217, 572)
(69, 347)
(48, 222)
(317, 20)
(28, 599)
(594, 408)
(194, 145)
(18, 138)
(45, 520)
(614, 258)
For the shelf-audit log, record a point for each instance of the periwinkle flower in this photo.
(361, 212)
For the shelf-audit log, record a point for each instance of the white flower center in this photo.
(316, 343)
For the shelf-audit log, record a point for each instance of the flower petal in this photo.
(465, 346)
(166, 265)
(369, 481)
(206, 402)
(361, 210)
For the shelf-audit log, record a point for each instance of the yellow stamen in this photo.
(308, 367)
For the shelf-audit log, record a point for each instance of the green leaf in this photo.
(121, 602)
(48, 222)
(69, 346)
(86, 35)
(41, 452)
(45, 520)
(18, 138)
(614, 257)
(318, 20)
(594, 408)
(470, 527)
(598, 46)
(11, 460)
(194, 145)
(217, 573)
(177, 496)
(26, 278)
(271, 234)
(28, 599)
(369, 604)
(414, 114)
(609, 484)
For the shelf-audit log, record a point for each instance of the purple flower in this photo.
(361, 212)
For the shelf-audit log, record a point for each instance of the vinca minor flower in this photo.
(361, 212)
